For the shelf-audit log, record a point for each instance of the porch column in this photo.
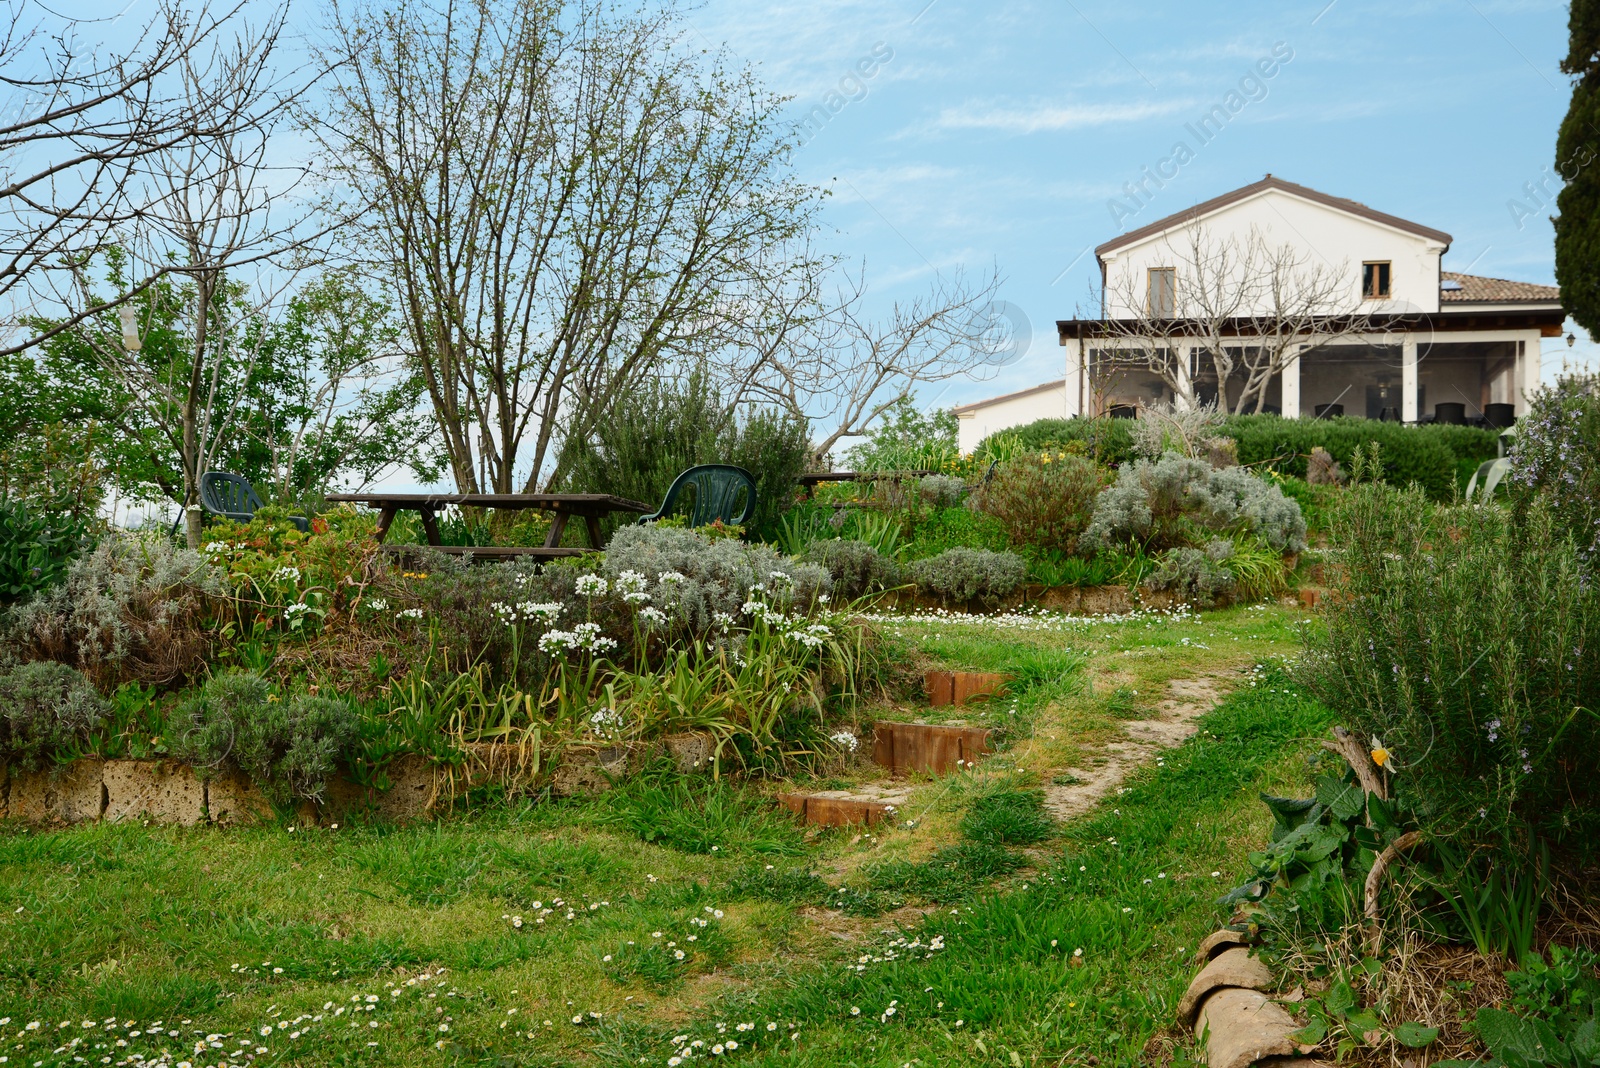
(1408, 379)
(1074, 373)
(1529, 369)
(1182, 355)
(1289, 385)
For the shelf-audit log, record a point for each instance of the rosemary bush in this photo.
(1468, 641)
(1557, 457)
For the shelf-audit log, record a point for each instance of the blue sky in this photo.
(999, 133)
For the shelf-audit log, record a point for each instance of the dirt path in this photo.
(1188, 699)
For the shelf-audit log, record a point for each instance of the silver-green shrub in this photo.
(966, 574)
(288, 747)
(134, 609)
(942, 491)
(701, 582)
(1195, 575)
(855, 567)
(46, 709)
(1180, 502)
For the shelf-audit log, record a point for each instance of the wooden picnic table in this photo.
(587, 506)
(811, 481)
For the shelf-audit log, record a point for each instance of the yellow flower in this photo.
(1380, 754)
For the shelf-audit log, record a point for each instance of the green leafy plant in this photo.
(1339, 1015)
(1552, 1016)
(36, 548)
(1494, 897)
(1043, 499)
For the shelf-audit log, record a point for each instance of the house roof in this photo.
(1059, 383)
(1199, 211)
(1476, 289)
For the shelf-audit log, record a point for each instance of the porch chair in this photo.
(232, 497)
(716, 495)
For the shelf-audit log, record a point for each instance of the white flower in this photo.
(845, 740)
(409, 613)
(669, 577)
(631, 582)
(592, 585)
(653, 617)
(378, 604)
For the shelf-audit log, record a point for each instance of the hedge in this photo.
(1438, 457)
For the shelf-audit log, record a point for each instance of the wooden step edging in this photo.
(960, 687)
(933, 748)
(842, 808)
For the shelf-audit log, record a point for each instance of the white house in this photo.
(1429, 344)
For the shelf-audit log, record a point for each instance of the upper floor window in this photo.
(1375, 280)
(1162, 298)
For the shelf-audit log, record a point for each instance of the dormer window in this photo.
(1375, 280)
(1162, 298)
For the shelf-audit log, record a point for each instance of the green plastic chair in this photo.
(716, 495)
(232, 497)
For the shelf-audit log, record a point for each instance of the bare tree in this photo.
(209, 252)
(1248, 308)
(79, 128)
(562, 198)
(844, 367)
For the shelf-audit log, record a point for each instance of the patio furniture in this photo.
(1451, 412)
(589, 507)
(232, 497)
(717, 492)
(816, 478)
(1329, 411)
(1499, 414)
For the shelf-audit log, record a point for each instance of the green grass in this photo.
(227, 931)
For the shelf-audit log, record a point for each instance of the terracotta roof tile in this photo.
(1478, 289)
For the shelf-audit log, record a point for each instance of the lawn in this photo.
(628, 928)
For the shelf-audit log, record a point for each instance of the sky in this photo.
(1002, 134)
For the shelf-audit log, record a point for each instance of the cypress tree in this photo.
(1578, 162)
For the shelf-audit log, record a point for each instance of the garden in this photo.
(404, 807)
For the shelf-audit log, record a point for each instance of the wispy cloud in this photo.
(1043, 117)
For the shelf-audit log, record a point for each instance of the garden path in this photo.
(1186, 701)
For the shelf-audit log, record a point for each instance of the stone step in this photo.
(839, 808)
(935, 749)
(959, 687)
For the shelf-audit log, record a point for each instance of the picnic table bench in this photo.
(587, 506)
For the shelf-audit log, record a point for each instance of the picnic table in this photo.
(811, 481)
(587, 506)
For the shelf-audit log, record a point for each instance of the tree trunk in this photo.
(193, 461)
